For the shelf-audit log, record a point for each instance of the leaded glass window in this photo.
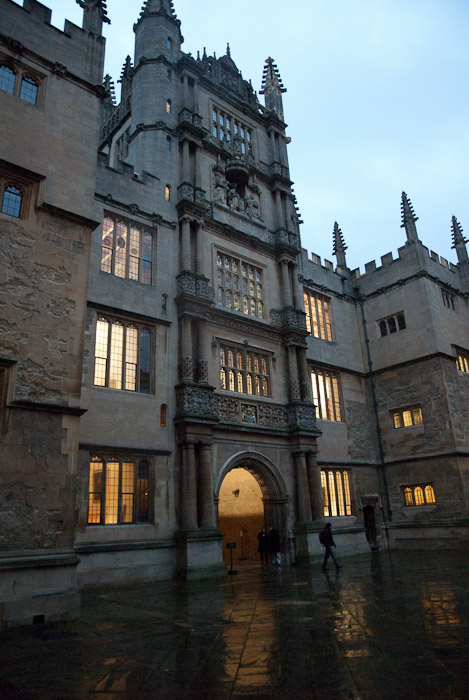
(326, 394)
(244, 371)
(126, 249)
(239, 286)
(336, 492)
(122, 356)
(318, 315)
(118, 492)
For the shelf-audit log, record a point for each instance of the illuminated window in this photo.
(168, 106)
(244, 371)
(239, 286)
(12, 199)
(419, 495)
(122, 356)
(29, 89)
(163, 415)
(462, 363)
(406, 417)
(227, 129)
(7, 79)
(392, 324)
(318, 316)
(336, 492)
(167, 193)
(325, 386)
(118, 491)
(448, 299)
(126, 249)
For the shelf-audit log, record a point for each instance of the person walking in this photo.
(325, 538)
(274, 545)
(263, 546)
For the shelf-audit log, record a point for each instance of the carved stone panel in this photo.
(195, 401)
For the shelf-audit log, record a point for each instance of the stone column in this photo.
(295, 394)
(287, 296)
(197, 167)
(186, 173)
(296, 287)
(207, 512)
(280, 216)
(315, 487)
(187, 369)
(196, 96)
(274, 146)
(186, 245)
(199, 253)
(188, 489)
(305, 378)
(302, 488)
(203, 351)
(185, 90)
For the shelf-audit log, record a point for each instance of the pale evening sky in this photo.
(377, 103)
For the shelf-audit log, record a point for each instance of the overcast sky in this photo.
(377, 103)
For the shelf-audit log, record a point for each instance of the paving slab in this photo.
(388, 626)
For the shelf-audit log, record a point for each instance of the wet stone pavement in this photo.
(385, 627)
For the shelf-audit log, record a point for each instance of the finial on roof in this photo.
(109, 101)
(408, 218)
(339, 246)
(94, 14)
(459, 241)
(164, 6)
(126, 78)
(228, 52)
(272, 87)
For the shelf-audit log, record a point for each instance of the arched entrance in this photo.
(251, 495)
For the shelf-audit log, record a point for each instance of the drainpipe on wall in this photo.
(388, 511)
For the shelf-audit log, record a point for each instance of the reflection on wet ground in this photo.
(386, 627)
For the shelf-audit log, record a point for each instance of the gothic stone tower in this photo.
(196, 270)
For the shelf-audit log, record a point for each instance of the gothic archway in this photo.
(250, 494)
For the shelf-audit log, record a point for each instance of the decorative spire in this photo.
(272, 87)
(408, 218)
(94, 14)
(339, 246)
(228, 51)
(126, 77)
(164, 6)
(109, 101)
(459, 241)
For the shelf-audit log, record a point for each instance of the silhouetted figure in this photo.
(263, 547)
(325, 538)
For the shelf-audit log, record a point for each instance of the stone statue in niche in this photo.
(220, 187)
(235, 201)
(252, 207)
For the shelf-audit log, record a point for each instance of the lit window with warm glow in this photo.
(406, 417)
(118, 491)
(318, 315)
(325, 386)
(239, 286)
(462, 362)
(122, 356)
(167, 193)
(419, 495)
(336, 492)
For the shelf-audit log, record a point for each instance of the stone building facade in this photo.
(163, 328)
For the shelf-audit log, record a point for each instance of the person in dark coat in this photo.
(325, 538)
(274, 545)
(263, 547)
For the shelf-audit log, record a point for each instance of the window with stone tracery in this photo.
(227, 129)
(318, 315)
(419, 495)
(337, 499)
(244, 371)
(118, 492)
(326, 394)
(126, 249)
(462, 362)
(239, 286)
(122, 356)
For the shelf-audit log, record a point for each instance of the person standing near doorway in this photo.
(263, 546)
(325, 538)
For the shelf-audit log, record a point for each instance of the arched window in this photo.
(429, 494)
(29, 89)
(169, 43)
(167, 192)
(168, 106)
(408, 497)
(163, 415)
(418, 495)
(11, 201)
(7, 79)
(383, 328)
(164, 304)
(168, 143)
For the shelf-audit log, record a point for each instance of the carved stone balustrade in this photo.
(194, 401)
(289, 319)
